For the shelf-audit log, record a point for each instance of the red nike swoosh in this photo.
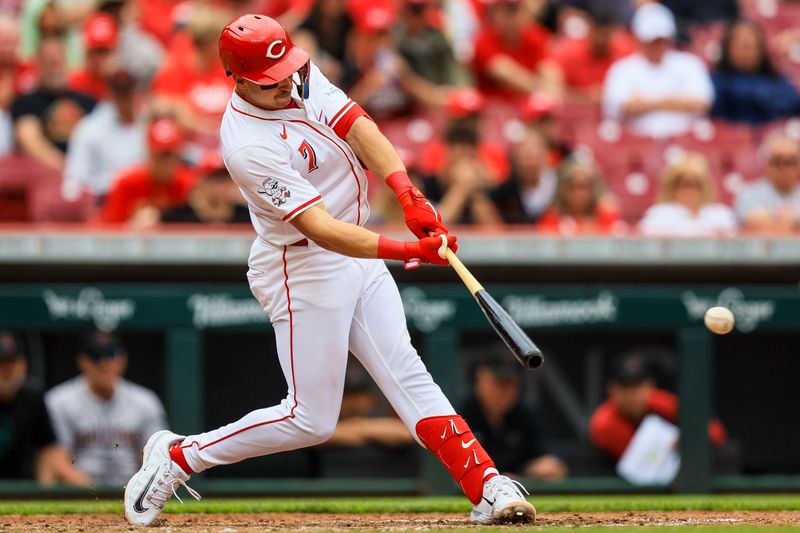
(283, 135)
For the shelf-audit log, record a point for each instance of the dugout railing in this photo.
(441, 315)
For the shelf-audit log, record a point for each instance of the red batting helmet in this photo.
(258, 49)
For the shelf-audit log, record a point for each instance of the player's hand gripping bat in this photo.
(523, 348)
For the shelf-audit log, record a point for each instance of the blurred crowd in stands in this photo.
(671, 118)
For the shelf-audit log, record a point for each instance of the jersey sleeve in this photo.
(266, 177)
(338, 111)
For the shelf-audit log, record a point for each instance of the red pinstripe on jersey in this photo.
(321, 134)
(291, 362)
(303, 206)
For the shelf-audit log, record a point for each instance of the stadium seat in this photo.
(16, 174)
(630, 165)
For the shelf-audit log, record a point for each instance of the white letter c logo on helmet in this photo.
(273, 55)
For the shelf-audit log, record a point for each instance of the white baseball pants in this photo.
(321, 304)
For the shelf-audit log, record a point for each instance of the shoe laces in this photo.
(167, 486)
(505, 486)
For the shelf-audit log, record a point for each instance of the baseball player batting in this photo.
(295, 144)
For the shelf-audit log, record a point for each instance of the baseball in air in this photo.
(719, 320)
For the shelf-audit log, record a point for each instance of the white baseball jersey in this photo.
(285, 161)
(321, 304)
(104, 436)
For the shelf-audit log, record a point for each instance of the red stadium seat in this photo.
(16, 174)
(30, 191)
(630, 165)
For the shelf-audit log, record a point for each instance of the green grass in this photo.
(544, 504)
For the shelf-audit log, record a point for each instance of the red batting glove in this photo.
(421, 217)
(426, 250)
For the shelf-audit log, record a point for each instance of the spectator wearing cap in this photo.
(464, 108)
(581, 204)
(44, 119)
(28, 447)
(460, 190)
(324, 34)
(747, 86)
(531, 187)
(192, 81)
(100, 37)
(657, 91)
(772, 204)
(140, 193)
(632, 395)
(424, 47)
(510, 431)
(585, 61)
(103, 419)
(107, 140)
(138, 52)
(687, 205)
(511, 58)
(215, 199)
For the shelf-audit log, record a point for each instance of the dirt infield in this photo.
(243, 523)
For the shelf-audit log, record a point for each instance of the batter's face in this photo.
(275, 97)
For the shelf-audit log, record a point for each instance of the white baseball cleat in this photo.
(503, 503)
(150, 488)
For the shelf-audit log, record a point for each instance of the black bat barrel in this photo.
(523, 348)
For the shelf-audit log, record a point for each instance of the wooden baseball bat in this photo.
(523, 348)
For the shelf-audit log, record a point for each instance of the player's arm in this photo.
(54, 465)
(378, 154)
(354, 241)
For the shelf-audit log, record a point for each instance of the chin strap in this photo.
(304, 74)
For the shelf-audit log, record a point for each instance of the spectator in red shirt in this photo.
(581, 203)
(511, 54)
(141, 193)
(99, 40)
(585, 61)
(632, 395)
(464, 106)
(192, 81)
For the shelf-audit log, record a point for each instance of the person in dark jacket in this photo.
(510, 430)
(748, 87)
